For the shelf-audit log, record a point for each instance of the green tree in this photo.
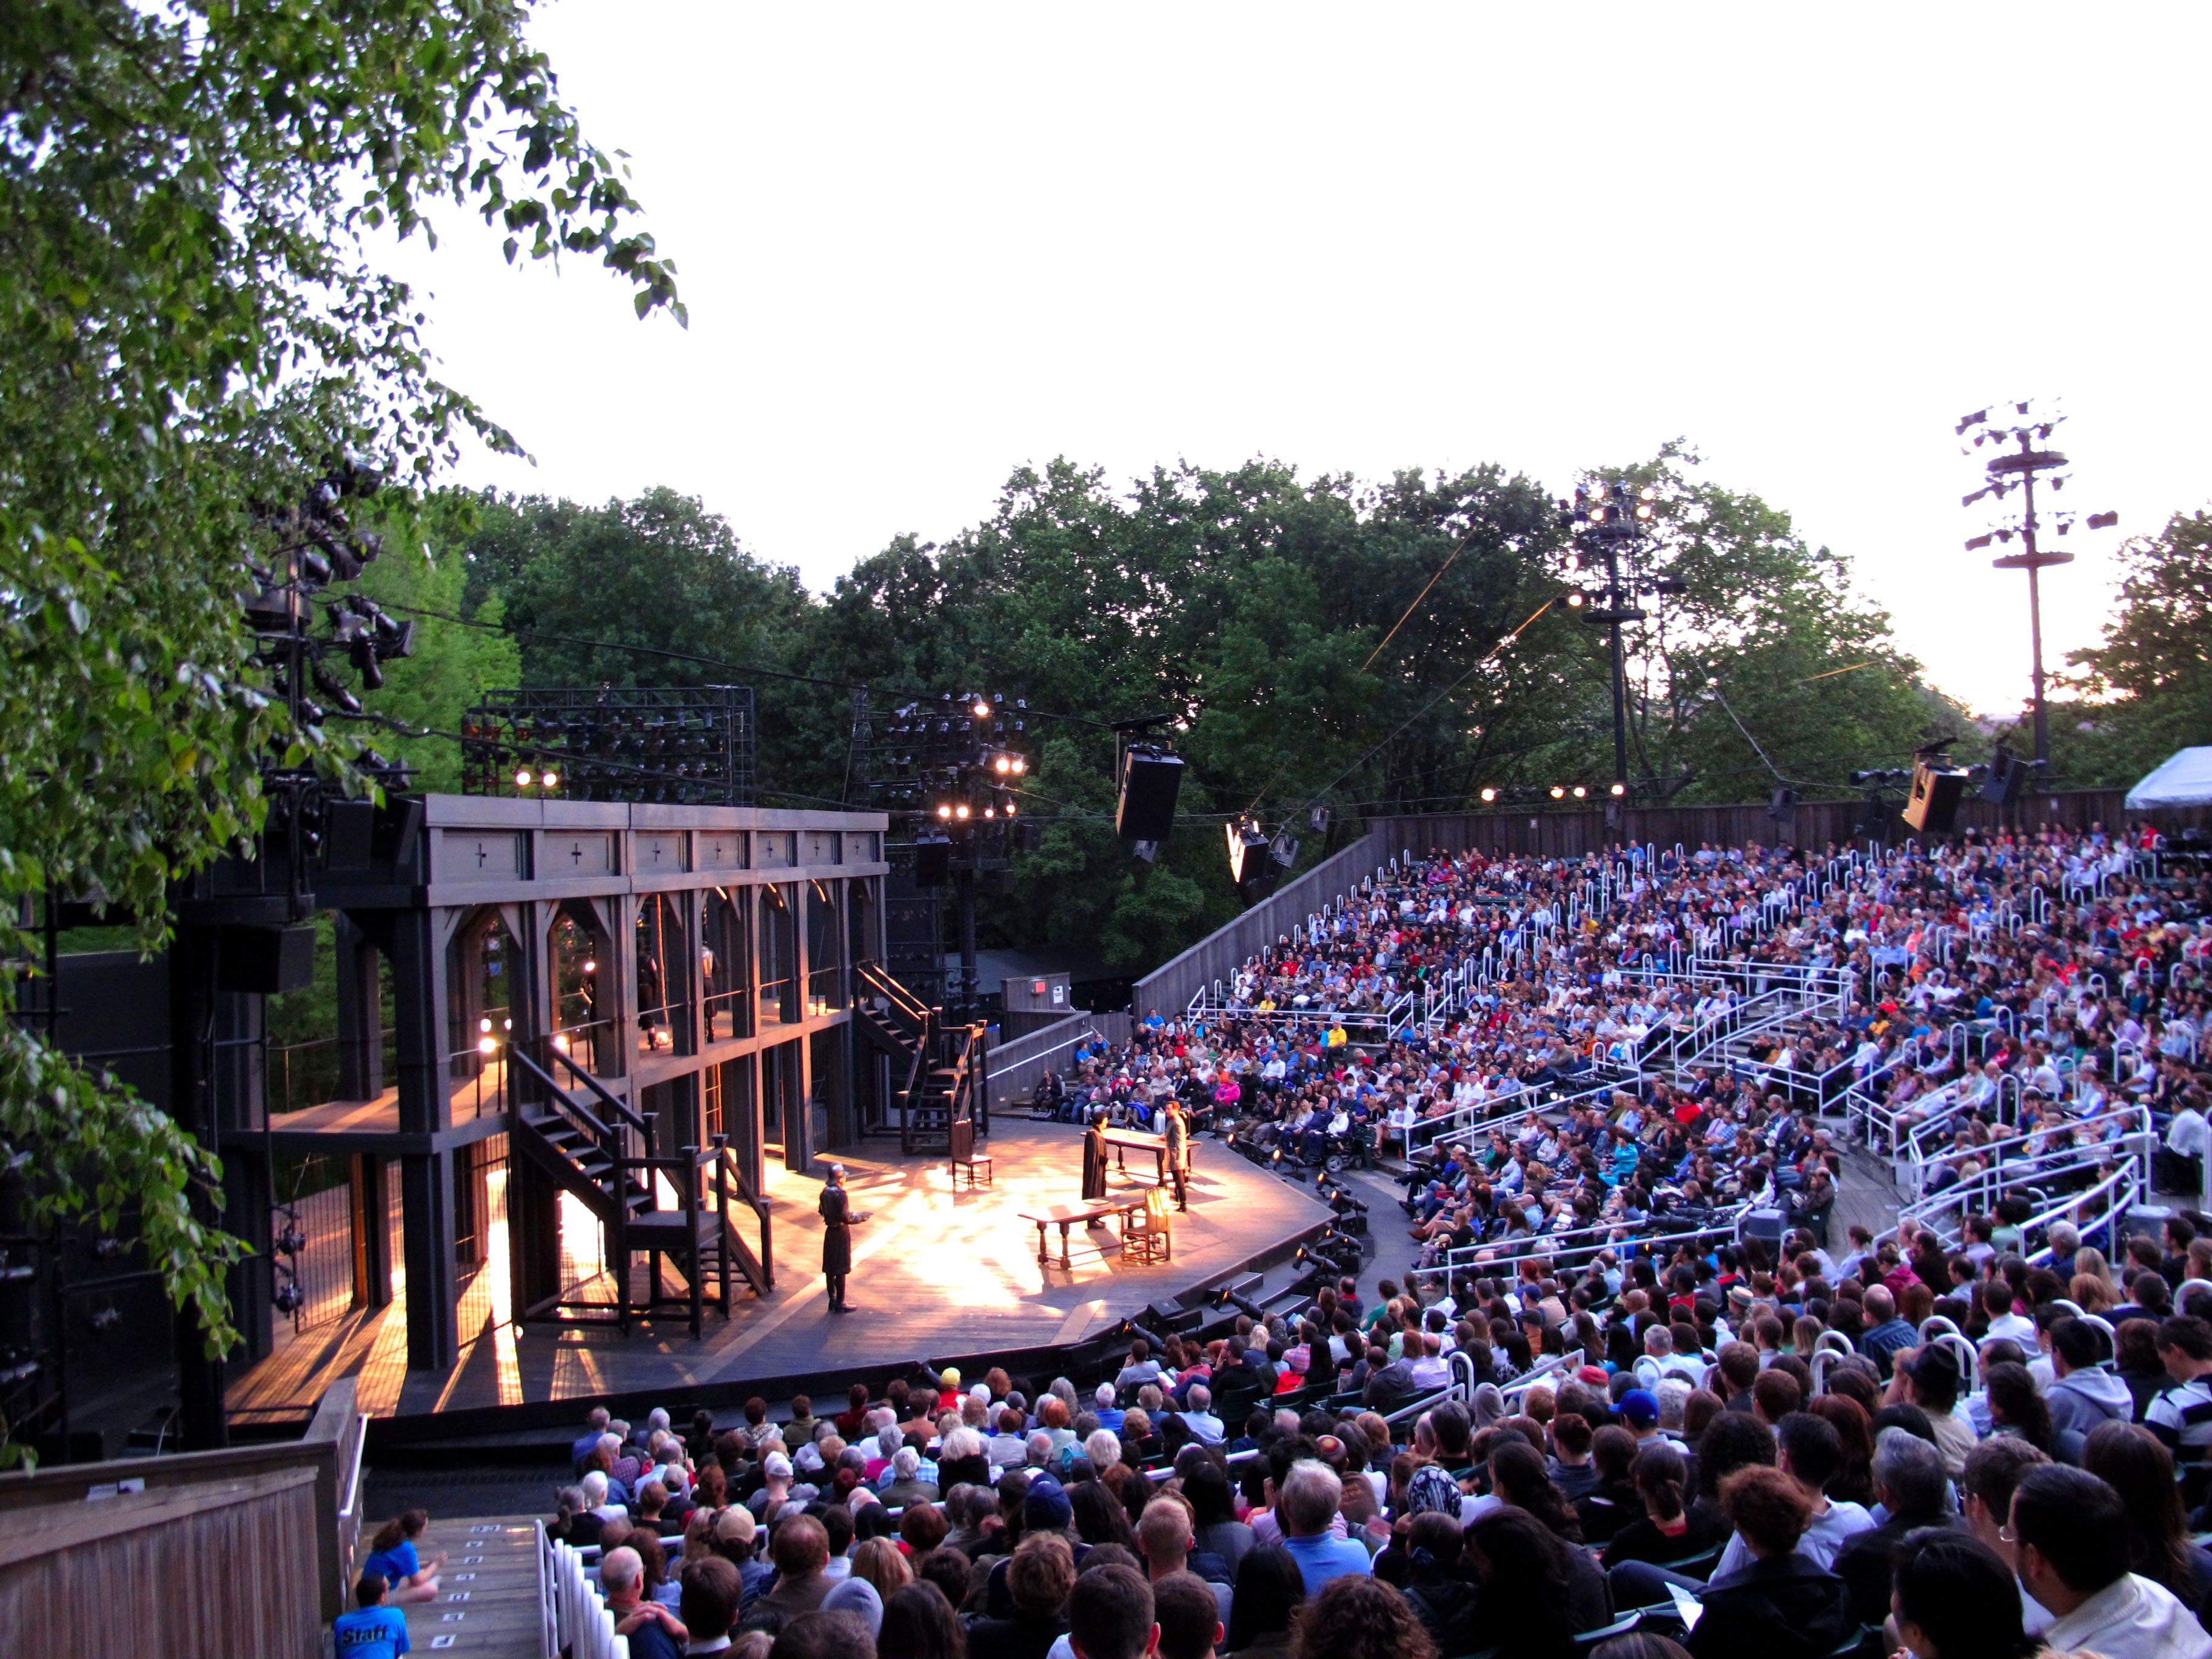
(2147, 690)
(192, 330)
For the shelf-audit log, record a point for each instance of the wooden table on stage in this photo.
(1065, 1216)
(1124, 1141)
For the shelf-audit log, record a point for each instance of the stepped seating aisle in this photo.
(492, 1595)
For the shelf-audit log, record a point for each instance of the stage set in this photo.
(937, 1272)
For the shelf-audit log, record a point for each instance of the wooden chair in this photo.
(964, 1156)
(1145, 1229)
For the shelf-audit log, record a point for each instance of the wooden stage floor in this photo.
(935, 1273)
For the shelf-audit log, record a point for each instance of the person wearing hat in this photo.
(838, 1221)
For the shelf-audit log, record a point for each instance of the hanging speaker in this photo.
(933, 859)
(1933, 806)
(1151, 780)
(1781, 803)
(2008, 779)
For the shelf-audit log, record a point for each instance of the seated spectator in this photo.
(919, 1623)
(1536, 1591)
(1110, 1614)
(2130, 1459)
(1670, 1530)
(1270, 1593)
(1955, 1600)
(1038, 1578)
(710, 1604)
(799, 1547)
(1361, 1618)
(2070, 1535)
(392, 1557)
(369, 1629)
(1781, 1603)
(1914, 1493)
(1188, 1617)
(1305, 1509)
(653, 1631)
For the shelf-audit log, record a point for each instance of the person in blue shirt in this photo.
(371, 1630)
(1305, 1510)
(392, 1559)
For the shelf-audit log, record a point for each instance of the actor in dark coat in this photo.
(1094, 1162)
(838, 1221)
(1176, 1132)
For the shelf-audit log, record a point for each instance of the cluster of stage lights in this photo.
(951, 762)
(1557, 791)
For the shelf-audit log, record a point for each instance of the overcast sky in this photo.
(922, 246)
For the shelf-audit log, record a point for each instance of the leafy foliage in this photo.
(1320, 639)
(2150, 682)
(191, 328)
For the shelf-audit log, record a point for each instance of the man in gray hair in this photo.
(1909, 1480)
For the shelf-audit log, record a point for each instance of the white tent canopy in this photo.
(2184, 780)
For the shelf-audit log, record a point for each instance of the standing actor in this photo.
(838, 1221)
(1177, 1133)
(1094, 1163)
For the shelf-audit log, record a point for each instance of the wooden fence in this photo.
(235, 1554)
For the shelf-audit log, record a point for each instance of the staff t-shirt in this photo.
(371, 1633)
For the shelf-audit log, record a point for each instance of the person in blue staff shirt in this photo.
(372, 1630)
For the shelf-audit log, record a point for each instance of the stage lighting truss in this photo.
(674, 745)
(1607, 527)
(957, 763)
(2017, 435)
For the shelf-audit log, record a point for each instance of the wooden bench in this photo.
(1065, 1216)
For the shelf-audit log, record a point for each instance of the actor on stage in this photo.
(1177, 1134)
(1094, 1163)
(838, 1221)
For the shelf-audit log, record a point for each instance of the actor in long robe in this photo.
(838, 1221)
(1094, 1162)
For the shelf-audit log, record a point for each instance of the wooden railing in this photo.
(94, 1557)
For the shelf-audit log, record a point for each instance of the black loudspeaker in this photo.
(350, 834)
(1781, 803)
(2008, 779)
(1151, 780)
(1933, 806)
(933, 859)
(267, 960)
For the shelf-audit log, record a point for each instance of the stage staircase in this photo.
(590, 1144)
(936, 1069)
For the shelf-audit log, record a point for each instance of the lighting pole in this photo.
(2018, 468)
(1611, 522)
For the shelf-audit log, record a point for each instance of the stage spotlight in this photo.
(550, 780)
(1489, 795)
(2103, 520)
(1018, 766)
(1579, 792)
(1558, 792)
(1575, 601)
(486, 1045)
(524, 778)
(982, 710)
(945, 808)
(961, 811)
(1619, 789)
